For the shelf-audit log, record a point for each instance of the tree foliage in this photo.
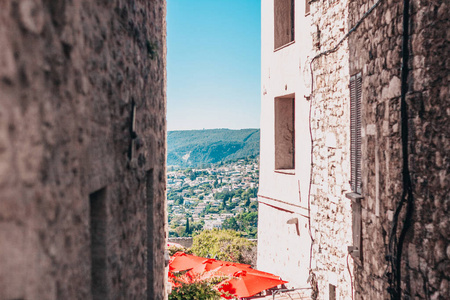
(187, 229)
(246, 223)
(198, 290)
(225, 245)
(174, 249)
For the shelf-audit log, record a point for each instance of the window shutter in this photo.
(355, 132)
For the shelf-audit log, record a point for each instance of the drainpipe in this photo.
(395, 289)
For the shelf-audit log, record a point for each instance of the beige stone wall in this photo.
(69, 72)
(331, 211)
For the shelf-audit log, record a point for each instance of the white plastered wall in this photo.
(283, 195)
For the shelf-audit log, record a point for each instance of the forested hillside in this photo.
(195, 148)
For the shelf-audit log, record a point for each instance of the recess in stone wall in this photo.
(150, 233)
(284, 22)
(97, 201)
(284, 133)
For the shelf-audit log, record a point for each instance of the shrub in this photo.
(175, 249)
(227, 245)
(200, 290)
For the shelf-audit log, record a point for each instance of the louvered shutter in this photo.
(355, 132)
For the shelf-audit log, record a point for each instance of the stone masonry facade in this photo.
(331, 211)
(82, 149)
(374, 49)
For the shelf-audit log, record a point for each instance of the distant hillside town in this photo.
(222, 196)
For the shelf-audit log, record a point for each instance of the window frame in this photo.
(280, 134)
(281, 45)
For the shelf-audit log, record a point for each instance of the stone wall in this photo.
(183, 241)
(374, 49)
(71, 73)
(331, 211)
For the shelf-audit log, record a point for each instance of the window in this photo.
(97, 201)
(284, 22)
(332, 292)
(355, 133)
(356, 249)
(307, 7)
(284, 133)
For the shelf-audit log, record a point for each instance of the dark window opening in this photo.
(332, 292)
(150, 229)
(307, 7)
(356, 250)
(355, 133)
(285, 133)
(284, 22)
(97, 201)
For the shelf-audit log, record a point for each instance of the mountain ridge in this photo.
(195, 148)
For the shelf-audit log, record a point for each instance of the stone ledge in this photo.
(354, 196)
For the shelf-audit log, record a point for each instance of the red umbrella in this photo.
(231, 269)
(244, 284)
(205, 266)
(181, 261)
(245, 281)
(211, 264)
(242, 266)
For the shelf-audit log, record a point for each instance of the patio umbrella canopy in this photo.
(213, 264)
(244, 284)
(205, 266)
(243, 281)
(181, 261)
(231, 270)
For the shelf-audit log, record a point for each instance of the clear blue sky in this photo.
(213, 64)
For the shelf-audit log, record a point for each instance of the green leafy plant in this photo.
(200, 290)
(174, 249)
(227, 245)
(246, 223)
(195, 288)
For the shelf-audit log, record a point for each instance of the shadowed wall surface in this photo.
(375, 49)
(74, 78)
